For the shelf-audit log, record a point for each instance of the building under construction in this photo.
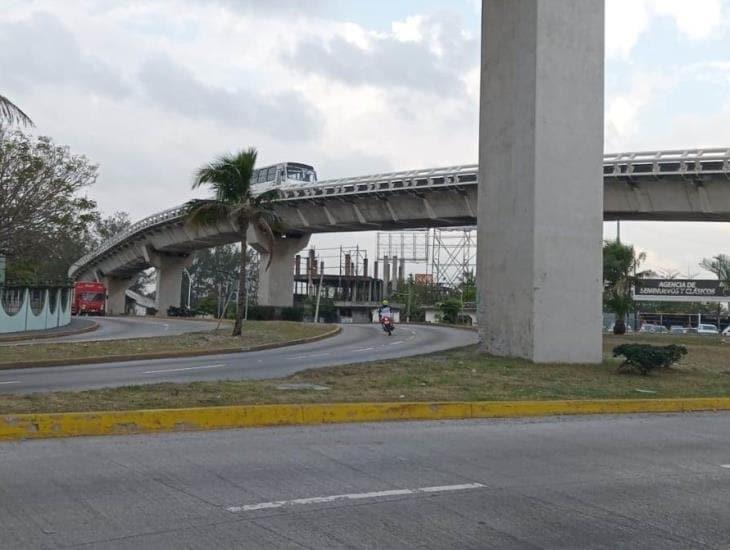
(344, 276)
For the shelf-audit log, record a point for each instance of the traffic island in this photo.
(257, 335)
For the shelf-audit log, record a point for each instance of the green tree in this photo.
(44, 218)
(229, 177)
(11, 113)
(720, 266)
(620, 272)
(450, 310)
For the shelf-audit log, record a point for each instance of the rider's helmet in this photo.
(385, 302)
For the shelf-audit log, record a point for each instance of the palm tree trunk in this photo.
(241, 304)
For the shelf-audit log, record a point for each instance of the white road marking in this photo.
(309, 355)
(362, 349)
(353, 496)
(203, 367)
(396, 343)
(725, 466)
(10, 382)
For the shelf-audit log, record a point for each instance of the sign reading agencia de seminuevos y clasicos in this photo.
(681, 287)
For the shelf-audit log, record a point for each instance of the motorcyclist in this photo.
(384, 309)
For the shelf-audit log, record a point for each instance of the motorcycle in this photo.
(387, 323)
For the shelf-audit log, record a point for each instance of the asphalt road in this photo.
(120, 328)
(356, 343)
(585, 482)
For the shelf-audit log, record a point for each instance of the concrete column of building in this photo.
(386, 275)
(394, 274)
(540, 179)
(276, 284)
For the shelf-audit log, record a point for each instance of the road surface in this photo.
(585, 482)
(356, 343)
(121, 328)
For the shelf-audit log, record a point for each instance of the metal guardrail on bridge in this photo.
(689, 164)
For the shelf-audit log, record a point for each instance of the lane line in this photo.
(10, 382)
(309, 355)
(725, 466)
(362, 349)
(203, 367)
(354, 496)
(396, 343)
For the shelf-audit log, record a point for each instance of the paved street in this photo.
(356, 343)
(585, 482)
(122, 328)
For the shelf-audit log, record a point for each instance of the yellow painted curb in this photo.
(30, 426)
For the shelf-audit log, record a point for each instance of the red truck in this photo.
(89, 298)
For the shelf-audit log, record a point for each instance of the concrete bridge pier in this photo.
(169, 277)
(116, 288)
(540, 202)
(276, 285)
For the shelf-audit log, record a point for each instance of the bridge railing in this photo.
(159, 218)
(686, 163)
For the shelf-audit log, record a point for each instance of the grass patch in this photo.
(458, 375)
(255, 333)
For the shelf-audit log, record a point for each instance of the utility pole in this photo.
(319, 294)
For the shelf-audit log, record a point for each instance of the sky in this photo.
(150, 90)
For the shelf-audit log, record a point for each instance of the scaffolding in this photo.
(448, 255)
(453, 255)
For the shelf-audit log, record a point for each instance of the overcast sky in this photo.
(150, 90)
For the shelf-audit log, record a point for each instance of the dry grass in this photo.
(456, 375)
(255, 333)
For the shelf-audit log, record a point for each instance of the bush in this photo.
(644, 358)
(450, 310)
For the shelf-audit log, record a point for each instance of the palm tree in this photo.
(620, 264)
(229, 176)
(12, 113)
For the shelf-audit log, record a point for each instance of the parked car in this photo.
(726, 332)
(707, 330)
(678, 329)
(653, 329)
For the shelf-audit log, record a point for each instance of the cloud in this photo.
(627, 20)
(427, 54)
(286, 115)
(41, 51)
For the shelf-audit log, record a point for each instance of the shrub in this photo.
(644, 358)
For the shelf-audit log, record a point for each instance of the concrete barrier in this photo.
(32, 426)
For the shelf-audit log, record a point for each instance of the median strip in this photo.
(169, 354)
(31, 426)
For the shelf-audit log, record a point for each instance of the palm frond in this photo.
(10, 112)
(229, 176)
(206, 212)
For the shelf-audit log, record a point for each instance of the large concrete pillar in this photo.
(116, 288)
(540, 179)
(277, 283)
(169, 277)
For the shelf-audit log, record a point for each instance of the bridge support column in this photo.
(276, 285)
(169, 277)
(116, 288)
(540, 179)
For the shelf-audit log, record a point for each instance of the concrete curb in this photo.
(163, 355)
(45, 336)
(35, 426)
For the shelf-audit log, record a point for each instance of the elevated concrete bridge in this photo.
(688, 185)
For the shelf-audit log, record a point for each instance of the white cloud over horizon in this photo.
(150, 90)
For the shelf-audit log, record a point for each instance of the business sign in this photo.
(686, 289)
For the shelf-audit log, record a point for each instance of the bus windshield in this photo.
(300, 173)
